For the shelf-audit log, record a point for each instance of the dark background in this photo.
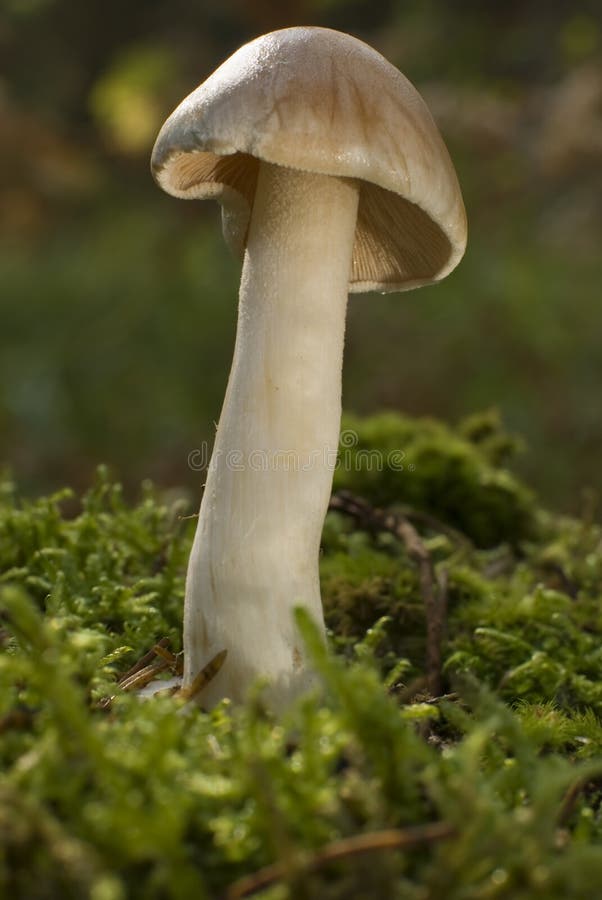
(118, 303)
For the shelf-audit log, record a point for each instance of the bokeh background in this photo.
(118, 303)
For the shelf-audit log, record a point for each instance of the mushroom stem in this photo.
(255, 553)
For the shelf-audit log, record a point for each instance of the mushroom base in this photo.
(255, 553)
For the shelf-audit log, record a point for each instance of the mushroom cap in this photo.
(322, 101)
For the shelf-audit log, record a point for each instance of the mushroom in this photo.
(332, 178)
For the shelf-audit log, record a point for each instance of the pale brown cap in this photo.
(321, 101)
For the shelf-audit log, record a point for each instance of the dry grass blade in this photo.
(206, 675)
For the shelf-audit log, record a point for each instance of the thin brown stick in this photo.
(426, 519)
(442, 599)
(153, 663)
(433, 593)
(393, 839)
(16, 719)
(144, 660)
(444, 698)
(165, 654)
(573, 793)
(141, 678)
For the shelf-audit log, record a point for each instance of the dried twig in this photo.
(164, 653)
(141, 678)
(571, 796)
(393, 839)
(158, 659)
(429, 521)
(175, 660)
(433, 591)
(442, 597)
(17, 719)
(144, 660)
(444, 698)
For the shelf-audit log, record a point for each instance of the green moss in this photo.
(454, 475)
(148, 801)
(108, 577)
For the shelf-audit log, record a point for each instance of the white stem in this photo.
(255, 554)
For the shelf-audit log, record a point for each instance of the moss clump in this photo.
(108, 576)
(497, 788)
(454, 475)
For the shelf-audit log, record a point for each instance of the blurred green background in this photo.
(118, 303)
